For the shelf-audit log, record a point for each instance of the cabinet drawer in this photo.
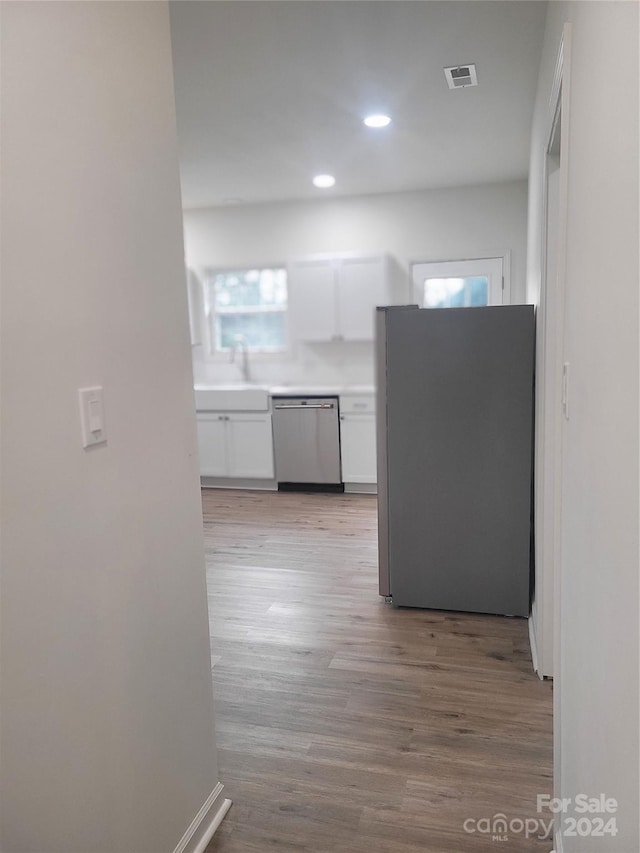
(357, 404)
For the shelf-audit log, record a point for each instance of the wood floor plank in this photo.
(346, 725)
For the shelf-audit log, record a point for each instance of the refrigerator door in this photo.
(384, 583)
(459, 419)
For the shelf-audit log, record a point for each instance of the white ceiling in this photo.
(270, 93)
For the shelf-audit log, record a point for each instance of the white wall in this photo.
(411, 226)
(107, 707)
(596, 692)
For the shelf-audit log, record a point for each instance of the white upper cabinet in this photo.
(196, 312)
(362, 285)
(312, 308)
(334, 298)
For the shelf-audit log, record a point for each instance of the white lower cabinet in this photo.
(235, 444)
(358, 440)
(212, 444)
(250, 446)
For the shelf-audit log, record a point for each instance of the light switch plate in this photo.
(92, 416)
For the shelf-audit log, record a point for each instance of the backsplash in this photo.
(336, 363)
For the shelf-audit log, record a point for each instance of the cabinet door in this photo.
(362, 285)
(358, 448)
(212, 444)
(312, 300)
(196, 313)
(250, 446)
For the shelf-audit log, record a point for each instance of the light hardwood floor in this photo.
(347, 726)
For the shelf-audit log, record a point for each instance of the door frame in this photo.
(545, 626)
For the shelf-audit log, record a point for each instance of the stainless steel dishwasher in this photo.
(306, 437)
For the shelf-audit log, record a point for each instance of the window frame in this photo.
(210, 313)
(503, 255)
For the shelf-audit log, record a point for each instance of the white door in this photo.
(361, 286)
(250, 446)
(459, 284)
(212, 444)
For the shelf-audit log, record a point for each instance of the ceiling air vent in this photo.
(461, 76)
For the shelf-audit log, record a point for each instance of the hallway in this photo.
(344, 724)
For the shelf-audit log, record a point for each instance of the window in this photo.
(249, 303)
(459, 284)
(455, 292)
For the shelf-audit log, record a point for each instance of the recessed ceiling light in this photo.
(324, 181)
(377, 120)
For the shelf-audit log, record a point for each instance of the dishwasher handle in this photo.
(310, 406)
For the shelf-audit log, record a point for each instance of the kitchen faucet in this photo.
(240, 343)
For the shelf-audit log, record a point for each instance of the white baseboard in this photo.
(238, 483)
(361, 488)
(534, 648)
(272, 485)
(203, 826)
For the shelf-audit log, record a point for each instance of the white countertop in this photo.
(292, 390)
(321, 390)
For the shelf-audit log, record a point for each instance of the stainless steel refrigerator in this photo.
(454, 444)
